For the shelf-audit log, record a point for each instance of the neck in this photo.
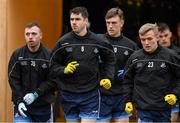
(115, 35)
(34, 49)
(82, 33)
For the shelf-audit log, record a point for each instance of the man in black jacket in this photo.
(75, 59)
(75, 65)
(28, 68)
(149, 78)
(112, 103)
(165, 36)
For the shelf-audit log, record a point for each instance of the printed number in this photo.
(151, 64)
(82, 48)
(115, 49)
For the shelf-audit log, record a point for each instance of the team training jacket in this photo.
(123, 48)
(175, 48)
(27, 71)
(150, 77)
(86, 51)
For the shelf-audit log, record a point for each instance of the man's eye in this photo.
(27, 34)
(34, 33)
(166, 35)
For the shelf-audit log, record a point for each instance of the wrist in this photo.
(19, 101)
(36, 95)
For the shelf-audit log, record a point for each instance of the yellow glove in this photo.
(106, 83)
(129, 107)
(71, 67)
(170, 98)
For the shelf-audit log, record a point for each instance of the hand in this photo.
(106, 83)
(71, 67)
(21, 109)
(29, 98)
(170, 99)
(129, 107)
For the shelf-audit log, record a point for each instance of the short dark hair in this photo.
(32, 24)
(80, 10)
(114, 12)
(162, 26)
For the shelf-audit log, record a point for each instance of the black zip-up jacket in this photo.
(27, 71)
(86, 51)
(123, 48)
(150, 77)
(175, 48)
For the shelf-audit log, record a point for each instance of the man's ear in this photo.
(170, 34)
(122, 23)
(41, 35)
(86, 20)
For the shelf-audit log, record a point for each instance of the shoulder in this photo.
(167, 51)
(18, 53)
(137, 53)
(46, 50)
(103, 38)
(99, 38)
(65, 37)
(130, 42)
(20, 50)
(176, 49)
(167, 54)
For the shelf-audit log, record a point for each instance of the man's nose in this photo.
(110, 24)
(74, 21)
(163, 38)
(146, 42)
(30, 35)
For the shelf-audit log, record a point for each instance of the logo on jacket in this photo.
(33, 63)
(96, 50)
(44, 66)
(126, 53)
(163, 65)
(65, 44)
(120, 73)
(20, 58)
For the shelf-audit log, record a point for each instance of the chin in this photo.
(32, 45)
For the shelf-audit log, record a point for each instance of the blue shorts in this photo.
(153, 116)
(112, 107)
(80, 105)
(175, 108)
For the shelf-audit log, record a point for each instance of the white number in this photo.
(150, 64)
(82, 48)
(115, 49)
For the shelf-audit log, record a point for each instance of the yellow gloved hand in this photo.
(106, 83)
(129, 107)
(71, 67)
(170, 98)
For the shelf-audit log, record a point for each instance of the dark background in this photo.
(136, 12)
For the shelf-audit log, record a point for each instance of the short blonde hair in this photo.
(147, 27)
